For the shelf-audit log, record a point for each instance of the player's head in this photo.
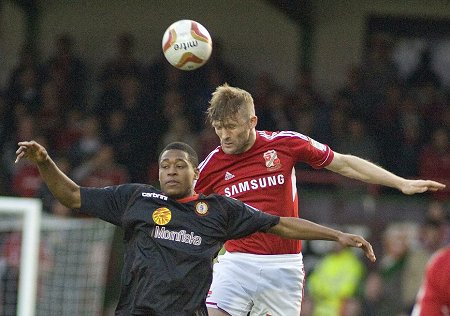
(177, 170)
(231, 112)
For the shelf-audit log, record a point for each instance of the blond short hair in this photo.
(227, 102)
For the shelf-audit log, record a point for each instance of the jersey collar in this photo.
(188, 199)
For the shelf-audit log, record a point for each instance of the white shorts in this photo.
(259, 284)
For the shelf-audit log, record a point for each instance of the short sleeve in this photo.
(310, 151)
(108, 203)
(244, 220)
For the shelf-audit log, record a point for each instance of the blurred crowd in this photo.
(107, 126)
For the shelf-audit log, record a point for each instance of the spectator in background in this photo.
(160, 77)
(26, 90)
(434, 159)
(88, 143)
(51, 113)
(101, 170)
(431, 238)
(263, 87)
(275, 108)
(355, 92)
(411, 138)
(334, 281)
(277, 104)
(25, 126)
(27, 60)
(380, 72)
(196, 108)
(207, 142)
(424, 74)
(372, 295)
(385, 126)
(357, 141)
(5, 119)
(305, 91)
(438, 211)
(70, 131)
(395, 242)
(118, 133)
(68, 71)
(433, 107)
(142, 124)
(179, 129)
(123, 64)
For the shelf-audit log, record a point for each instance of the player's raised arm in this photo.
(62, 187)
(296, 228)
(363, 170)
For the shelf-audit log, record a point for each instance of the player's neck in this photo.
(251, 140)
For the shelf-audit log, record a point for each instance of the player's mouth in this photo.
(227, 144)
(172, 183)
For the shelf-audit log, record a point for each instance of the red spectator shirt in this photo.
(263, 177)
(434, 296)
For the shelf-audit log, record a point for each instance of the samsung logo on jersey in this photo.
(154, 195)
(254, 184)
(180, 236)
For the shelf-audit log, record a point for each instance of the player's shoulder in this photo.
(212, 158)
(441, 257)
(134, 189)
(280, 136)
(219, 199)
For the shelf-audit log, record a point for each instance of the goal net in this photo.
(51, 265)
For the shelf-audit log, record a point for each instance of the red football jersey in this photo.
(263, 177)
(434, 295)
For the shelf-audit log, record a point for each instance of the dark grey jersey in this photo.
(170, 244)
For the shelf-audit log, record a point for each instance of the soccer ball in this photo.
(187, 45)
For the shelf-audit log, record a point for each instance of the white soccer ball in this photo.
(187, 45)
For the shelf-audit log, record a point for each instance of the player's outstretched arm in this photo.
(62, 187)
(363, 170)
(296, 228)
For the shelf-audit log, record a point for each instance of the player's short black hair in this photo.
(192, 155)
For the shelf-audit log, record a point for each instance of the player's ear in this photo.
(253, 121)
(196, 173)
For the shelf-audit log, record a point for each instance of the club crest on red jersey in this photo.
(272, 161)
(201, 208)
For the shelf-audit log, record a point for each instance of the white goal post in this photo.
(31, 210)
(51, 265)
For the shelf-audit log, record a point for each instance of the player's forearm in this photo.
(296, 228)
(61, 186)
(366, 171)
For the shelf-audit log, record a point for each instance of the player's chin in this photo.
(229, 149)
(175, 193)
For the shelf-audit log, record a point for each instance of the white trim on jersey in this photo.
(207, 159)
(293, 184)
(282, 134)
(328, 155)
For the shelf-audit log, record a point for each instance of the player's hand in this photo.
(31, 151)
(419, 186)
(350, 240)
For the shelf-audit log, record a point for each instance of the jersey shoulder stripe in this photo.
(202, 165)
(274, 135)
